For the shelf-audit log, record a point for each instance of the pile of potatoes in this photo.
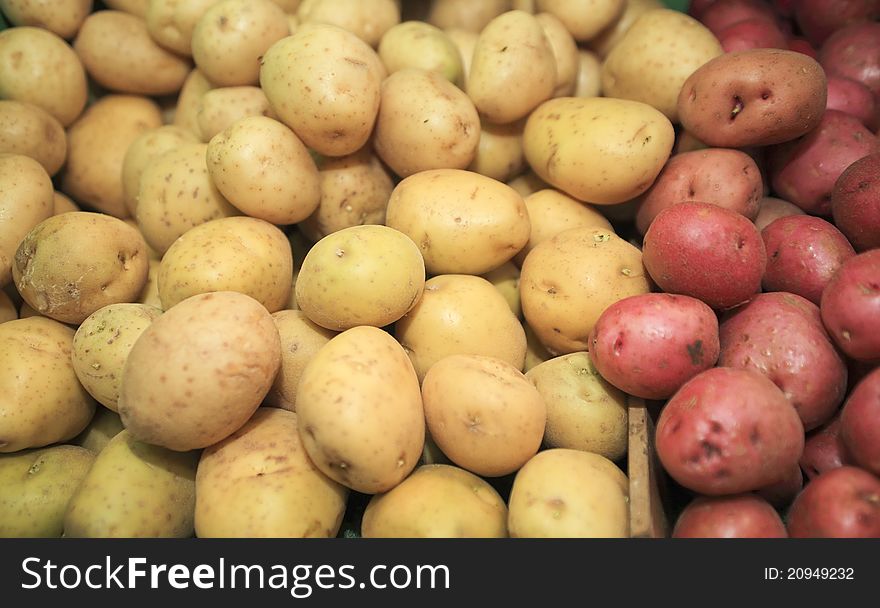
(398, 268)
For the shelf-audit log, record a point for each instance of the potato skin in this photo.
(851, 306)
(585, 19)
(366, 19)
(843, 503)
(772, 209)
(851, 52)
(8, 310)
(741, 516)
(104, 426)
(824, 449)
(860, 423)
(855, 203)
(29, 130)
(753, 98)
(61, 17)
(221, 107)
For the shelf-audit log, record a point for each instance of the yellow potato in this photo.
(324, 83)
(135, 7)
(134, 490)
(466, 14)
(589, 77)
(608, 39)
(500, 152)
(366, 19)
(513, 68)
(101, 346)
(528, 183)
(463, 222)
(72, 264)
(241, 254)
(505, 278)
(416, 44)
(150, 293)
(289, 6)
(61, 203)
(425, 122)
(105, 425)
(598, 149)
(568, 281)
(536, 354)
(460, 314)
(565, 52)
(41, 401)
(186, 114)
(31, 131)
(562, 493)
(61, 17)
(523, 5)
(259, 483)
(437, 501)
(483, 413)
(8, 311)
(171, 22)
(360, 411)
(263, 168)
(35, 487)
(223, 106)
(585, 19)
(466, 41)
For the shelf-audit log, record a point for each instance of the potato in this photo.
(186, 112)
(354, 191)
(851, 52)
(753, 33)
(134, 490)
(97, 145)
(513, 68)
(843, 503)
(360, 412)
(289, 6)
(463, 222)
(855, 203)
(101, 345)
(259, 483)
(588, 82)
(61, 17)
(584, 411)
(500, 151)
(597, 149)
(505, 278)
(860, 423)
(465, 40)
(26, 199)
(782, 492)
(8, 311)
(824, 449)
(61, 203)
(425, 122)
(562, 493)
(437, 501)
(29, 130)
(720, 15)
(565, 52)
(741, 516)
(528, 183)
(607, 39)
(232, 36)
(199, 371)
(150, 293)
(330, 98)
(71, 265)
(851, 306)
(35, 487)
(416, 44)
(221, 107)
(38, 67)
(568, 281)
(135, 7)
(41, 401)
(263, 168)
(753, 98)
(466, 14)
(177, 193)
(105, 425)
(535, 351)
(366, 19)
(171, 22)
(771, 208)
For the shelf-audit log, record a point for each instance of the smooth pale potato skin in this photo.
(324, 83)
(260, 483)
(263, 168)
(653, 59)
(568, 281)
(61, 203)
(72, 264)
(505, 278)
(134, 490)
(169, 206)
(97, 146)
(535, 351)
(425, 122)
(483, 413)
(466, 14)
(369, 20)
(528, 183)
(171, 22)
(359, 409)
(199, 371)
(416, 44)
(38, 67)
(437, 501)
(8, 311)
(500, 151)
(29, 130)
(41, 401)
(61, 17)
(565, 52)
(135, 7)
(186, 112)
(241, 254)
(611, 36)
(230, 38)
(300, 341)
(588, 82)
(220, 108)
(460, 314)
(465, 41)
(26, 199)
(101, 345)
(513, 68)
(364, 275)
(598, 149)
(584, 411)
(150, 293)
(105, 425)
(35, 487)
(585, 19)
(463, 222)
(563, 493)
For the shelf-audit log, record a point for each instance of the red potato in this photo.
(728, 431)
(824, 450)
(724, 13)
(772, 208)
(842, 503)
(784, 8)
(800, 45)
(779, 335)
(803, 253)
(780, 494)
(854, 52)
(649, 345)
(742, 516)
(855, 203)
(723, 177)
(804, 171)
(696, 8)
(853, 98)
(851, 306)
(754, 33)
(706, 252)
(860, 423)
(818, 19)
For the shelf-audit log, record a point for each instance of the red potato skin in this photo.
(725, 13)
(851, 306)
(824, 450)
(842, 503)
(781, 493)
(800, 45)
(649, 345)
(706, 252)
(696, 8)
(779, 335)
(772, 208)
(860, 423)
(803, 253)
(805, 171)
(755, 33)
(742, 516)
(818, 19)
(723, 177)
(728, 431)
(853, 98)
(855, 203)
(854, 52)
